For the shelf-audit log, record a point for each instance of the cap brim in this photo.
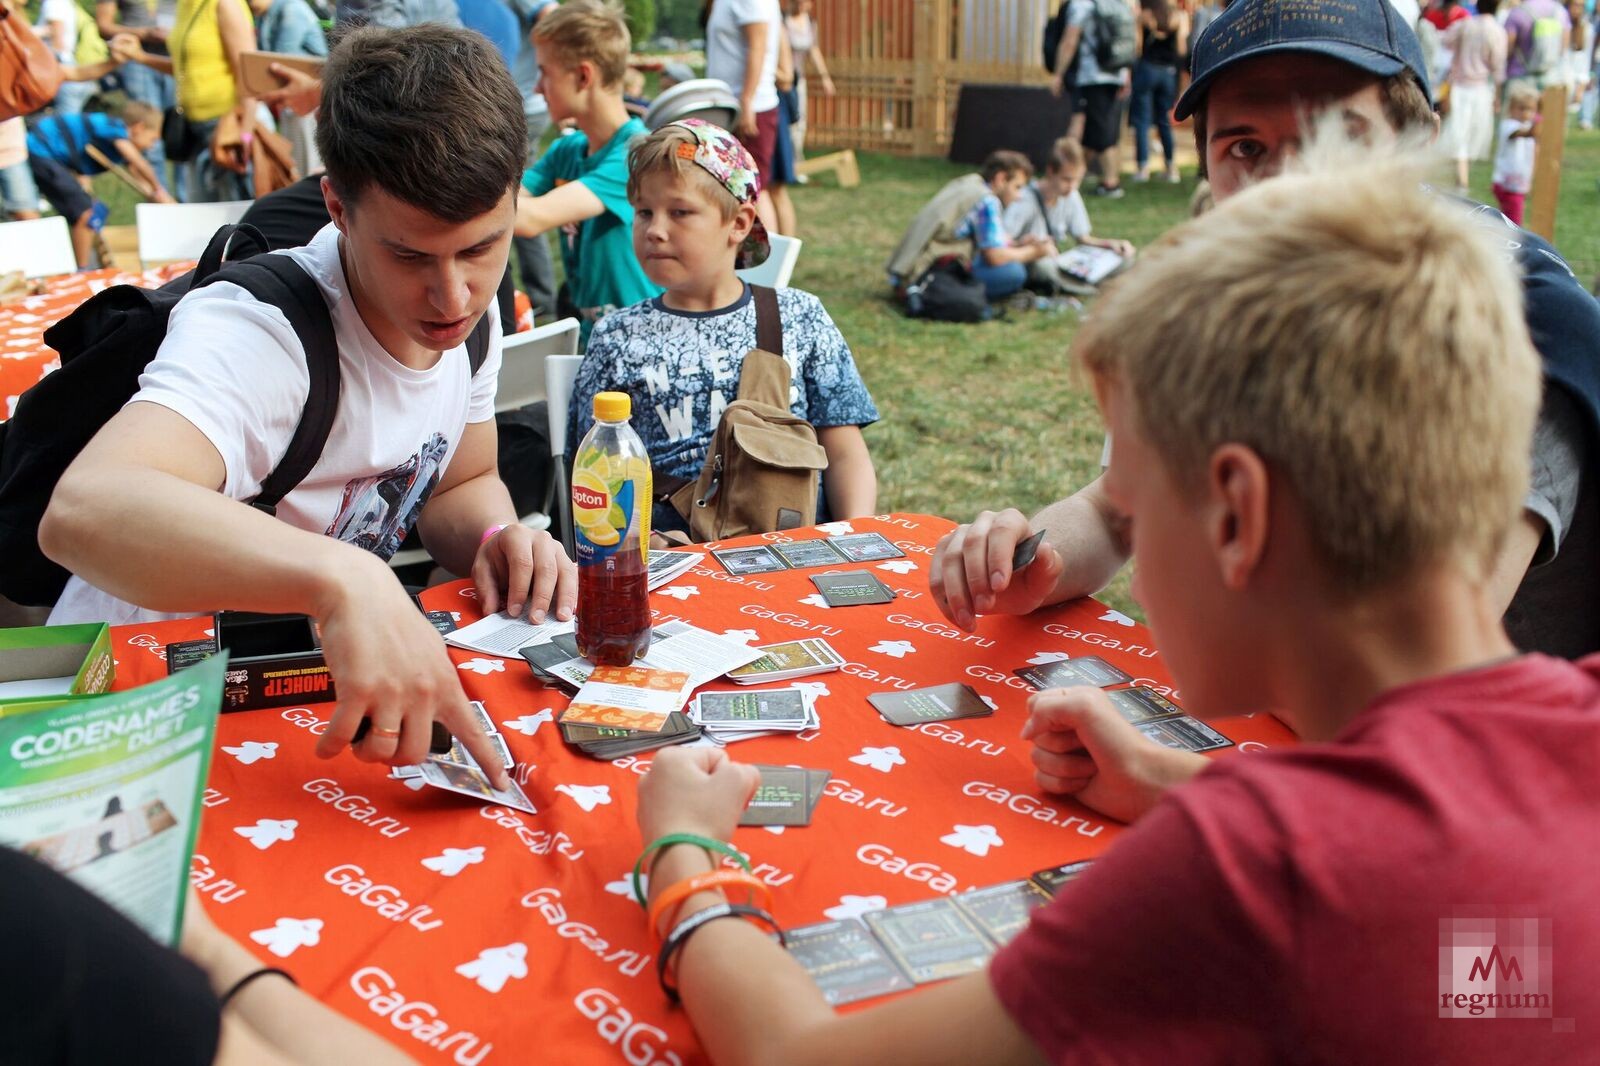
(755, 250)
(1374, 63)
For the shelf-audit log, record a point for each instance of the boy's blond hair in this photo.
(591, 31)
(1363, 336)
(1522, 93)
(145, 114)
(658, 154)
(1066, 152)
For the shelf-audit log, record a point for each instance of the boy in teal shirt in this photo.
(581, 184)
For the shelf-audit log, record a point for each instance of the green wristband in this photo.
(709, 843)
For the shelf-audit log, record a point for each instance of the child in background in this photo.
(1053, 208)
(1513, 160)
(693, 189)
(998, 261)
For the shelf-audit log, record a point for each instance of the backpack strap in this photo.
(769, 320)
(278, 280)
(478, 342)
(1044, 212)
(218, 247)
(764, 375)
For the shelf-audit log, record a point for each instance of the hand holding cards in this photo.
(455, 770)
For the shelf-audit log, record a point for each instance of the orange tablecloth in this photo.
(395, 932)
(24, 356)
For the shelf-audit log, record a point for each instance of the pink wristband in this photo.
(490, 533)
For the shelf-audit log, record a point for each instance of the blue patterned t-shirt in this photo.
(681, 369)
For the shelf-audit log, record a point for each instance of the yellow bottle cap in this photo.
(612, 407)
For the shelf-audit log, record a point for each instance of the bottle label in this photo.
(610, 505)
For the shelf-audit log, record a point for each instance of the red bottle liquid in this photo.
(611, 519)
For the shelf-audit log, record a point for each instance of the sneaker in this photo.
(1173, 177)
(1110, 192)
(1141, 176)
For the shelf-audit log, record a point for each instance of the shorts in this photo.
(17, 191)
(761, 146)
(1102, 116)
(60, 188)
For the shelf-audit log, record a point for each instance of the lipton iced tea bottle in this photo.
(611, 503)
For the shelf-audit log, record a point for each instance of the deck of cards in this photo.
(731, 716)
(786, 796)
(852, 588)
(608, 742)
(667, 566)
(785, 662)
(805, 554)
(457, 771)
(940, 703)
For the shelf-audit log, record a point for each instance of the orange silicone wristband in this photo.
(673, 895)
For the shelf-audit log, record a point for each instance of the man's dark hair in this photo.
(428, 113)
(1005, 161)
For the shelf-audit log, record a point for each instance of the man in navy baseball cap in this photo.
(1261, 71)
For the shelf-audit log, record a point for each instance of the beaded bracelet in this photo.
(710, 844)
(675, 894)
(239, 985)
(686, 928)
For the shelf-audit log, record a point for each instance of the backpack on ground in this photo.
(762, 469)
(1055, 27)
(104, 346)
(947, 292)
(1116, 36)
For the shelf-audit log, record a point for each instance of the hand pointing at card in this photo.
(1084, 749)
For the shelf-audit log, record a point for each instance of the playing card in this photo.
(1085, 670)
(845, 961)
(441, 621)
(931, 940)
(865, 547)
(1052, 879)
(765, 708)
(804, 553)
(781, 662)
(629, 697)
(756, 560)
(1142, 704)
(568, 642)
(480, 714)
(543, 657)
(852, 588)
(1002, 911)
(816, 781)
(941, 703)
(1026, 551)
(780, 798)
(470, 781)
(1185, 734)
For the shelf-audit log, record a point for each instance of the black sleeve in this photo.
(82, 984)
(291, 216)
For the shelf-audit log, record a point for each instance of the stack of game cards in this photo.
(897, 948)
(785, 662)
(675, 645)
(731, 716)
(852, 588)
(666, 566)
(804, 554)
(939, 703)
(457, 771)
(786, 796)
(608, 742)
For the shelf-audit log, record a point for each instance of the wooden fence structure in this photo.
(899, 66)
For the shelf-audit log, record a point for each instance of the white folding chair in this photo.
(560, 371)
(779, 267)
(38, 247)
(170, 232)
(521, 382)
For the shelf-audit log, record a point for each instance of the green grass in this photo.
(989, 416)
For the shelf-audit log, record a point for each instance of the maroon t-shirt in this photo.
(1286, 906)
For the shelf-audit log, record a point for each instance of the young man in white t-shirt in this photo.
(423, 136)
(1052, 207)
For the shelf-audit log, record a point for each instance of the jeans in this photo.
(204, 182)
(533, 253)
(1154, 88)
(72, 95)
(999, 281)
(159, 91)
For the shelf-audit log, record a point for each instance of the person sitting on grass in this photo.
(579, 186)
(1317, 493)
(1257, 75)
(693, 190)
(1052, 207)
(998, 261)
(60, 163)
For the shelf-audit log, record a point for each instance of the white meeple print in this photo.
(288, 935)
(1042, 658)
(254, 751)
(816, 599)
(495, 966)
(836, 529)
(452, 861)
(529, 724)
(813, 690)
(993, 706)
(268, 831)
(898, 566)
(743, 636)
(881, 759)
(679, 592)
(1114, 615)
(587, 796)
(973, 839)
(484, 667)
(855, 907)
(623, 886)
(775, 830)
(897, 649)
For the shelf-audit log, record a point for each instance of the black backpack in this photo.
(1055, 27)
(104, 346)
(948, 292)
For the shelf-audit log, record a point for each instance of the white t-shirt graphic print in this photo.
(233, 367)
